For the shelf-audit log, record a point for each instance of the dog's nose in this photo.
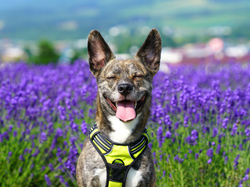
(125, 89)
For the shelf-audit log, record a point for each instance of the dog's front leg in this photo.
(144, 183)
(94, 182)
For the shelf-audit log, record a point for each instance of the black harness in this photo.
(118, 158)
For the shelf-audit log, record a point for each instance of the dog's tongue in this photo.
(125, 110)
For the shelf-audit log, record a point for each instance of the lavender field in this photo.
(199, 126)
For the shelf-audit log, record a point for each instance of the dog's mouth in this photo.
(126, 109)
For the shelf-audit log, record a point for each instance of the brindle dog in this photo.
(123, 102)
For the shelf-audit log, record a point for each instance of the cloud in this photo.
(69, 25)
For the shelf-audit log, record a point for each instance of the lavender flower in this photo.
(225, 123)
(9, 154)
(21, 158)
(215, 131)
(48, 182)
(164, 173)
(43, 106)
(74, 126)
(43, 136)
(150, 145)
(168, 134)
(218, 149)
(177, 158)
(234, 130)
(196, 156)
(225, 159)
(59, 132)
(247, 132)
(210, 153)
(14, 134)
(247, 171)
(194, 135)
(159, 136)
(51, 167)
(84, 127)
(236, 161)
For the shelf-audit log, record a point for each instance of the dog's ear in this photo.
(99, 52)
(150, 52)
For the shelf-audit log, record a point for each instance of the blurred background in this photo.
(193, 31)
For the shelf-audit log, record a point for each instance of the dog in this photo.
(123, 106)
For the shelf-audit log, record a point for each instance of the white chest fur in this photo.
(133, 177)
(122, 130)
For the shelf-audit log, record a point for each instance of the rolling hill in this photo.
(63, 19)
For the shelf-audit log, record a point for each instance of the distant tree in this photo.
(28, 52)
(46, 53)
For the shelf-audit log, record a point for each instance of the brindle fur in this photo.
(109, 73)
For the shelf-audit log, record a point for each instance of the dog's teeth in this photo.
(135, 105)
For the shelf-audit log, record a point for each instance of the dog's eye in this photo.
(137, 76)
(111, 77)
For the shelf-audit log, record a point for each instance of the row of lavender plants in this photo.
(199, 124)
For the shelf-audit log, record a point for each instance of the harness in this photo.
(118, 158)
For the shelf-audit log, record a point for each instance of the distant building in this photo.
(10, 52)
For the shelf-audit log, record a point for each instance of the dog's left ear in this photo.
(150, 52)
(99, 52)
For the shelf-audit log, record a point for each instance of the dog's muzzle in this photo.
(125, 89)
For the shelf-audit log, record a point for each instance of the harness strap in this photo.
(118, 158)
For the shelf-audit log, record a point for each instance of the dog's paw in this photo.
(95, 182)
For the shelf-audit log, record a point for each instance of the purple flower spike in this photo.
(194, 134)
(215, 131)
(225, 123)
(21, 158)
(74, 127)
(247, 132)
(159, 136)
(236, 161)
(218, 149)
(61, 179)
(84, 127)
(48, 182)
(247, 171)
(15, 133)
(59, 132)
(226, 160)
(168, 134)
(234, 130)
(210, 153)
(9, 154)
(51, 167)
(43, 137)
(196, 156)
(246, 178)
(164, 173)
(177, 158)
(150, 145)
